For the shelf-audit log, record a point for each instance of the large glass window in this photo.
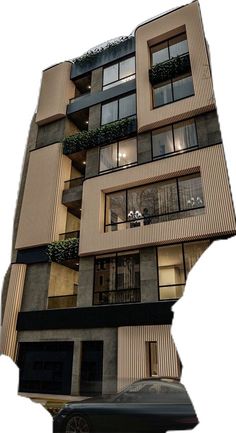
(200, 131)
(116, 210)
(127, 106)
(173, 47)
(153, 203)
(208, 129)
(182, 87)
(117, 278)
(174, 264)
(162, 141)
(115, 155)
(190, 192)
(119, 73)
(173, 90)
(119, 109)
(171, 271)
(177, 88)
(108, 157)
(185, 135)
(109, 112)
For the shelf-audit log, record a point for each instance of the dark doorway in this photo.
(45, 367)
(91, 368)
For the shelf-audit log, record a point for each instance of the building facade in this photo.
(124, 186)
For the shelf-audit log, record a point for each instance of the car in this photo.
(152, 405)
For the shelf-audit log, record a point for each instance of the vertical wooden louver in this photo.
(13, 305)
(132, 353)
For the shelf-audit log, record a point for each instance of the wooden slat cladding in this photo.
(13, 304)
(132, 353)
(186, 19)
(43, 216)
(218, 217)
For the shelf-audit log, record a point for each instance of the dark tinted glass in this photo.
(208, 129)
(182, 87)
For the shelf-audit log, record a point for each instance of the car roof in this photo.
(158, 379)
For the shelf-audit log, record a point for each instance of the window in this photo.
(152, 358)
(175, 88)
(173, 47)
(117, 278)
(174, 263)
(119, 73)
(119, 109)
(153, 203)
(196, 132)
(115, 155)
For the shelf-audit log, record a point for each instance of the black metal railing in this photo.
(69, 235)
(71, 183)
(117, 296)
(65, 301)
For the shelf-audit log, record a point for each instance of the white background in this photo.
(35, 35)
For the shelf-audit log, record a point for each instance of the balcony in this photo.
(117, 296)
(106, 134)
(72, 195)
(65, 301)
(78, 109)
(65, 252)
(169, 69)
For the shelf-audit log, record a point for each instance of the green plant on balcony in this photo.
(91, 55)
(169, 69)
(61, 251)
(106, 134)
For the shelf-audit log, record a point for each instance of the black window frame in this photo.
(182, 244)
(171, 80)
(168, 47)
(179, 211)
(118, 167)
(119, 81)
(116, 255)
(118, 108)
(187, 149)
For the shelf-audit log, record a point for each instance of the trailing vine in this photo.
(170, 69)
(60, 251)
(90, 56)
(106, 134)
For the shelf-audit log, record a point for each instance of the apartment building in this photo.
(124, 186)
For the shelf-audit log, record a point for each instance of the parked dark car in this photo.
(149, 406)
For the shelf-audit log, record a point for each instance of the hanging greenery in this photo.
(60, 251)
(106, 134)
(170, 69)
(91, 55)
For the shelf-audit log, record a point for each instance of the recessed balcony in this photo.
(64, 301)
(65, 252)
(72, 195)
(105, 134)
(169, 69)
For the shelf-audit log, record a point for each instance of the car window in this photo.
(154, 392)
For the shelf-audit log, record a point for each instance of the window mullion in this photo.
(177, 185)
